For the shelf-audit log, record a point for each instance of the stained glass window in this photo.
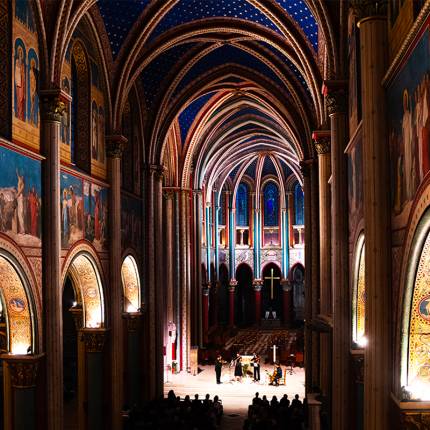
(271, 205)
(242, 205)
(299, 205)
(221, 212)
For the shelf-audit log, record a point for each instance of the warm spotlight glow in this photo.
(93, 323)
(362, 341)
(74, 303)
(20, 348)
(419, 390)
(131, 309)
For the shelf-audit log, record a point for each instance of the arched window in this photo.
(359, 295)
(299, 205)
(271, 205)
(221, 213)
(242, 218)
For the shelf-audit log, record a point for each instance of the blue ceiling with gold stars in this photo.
(120, 15)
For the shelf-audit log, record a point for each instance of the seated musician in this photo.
(277, 375)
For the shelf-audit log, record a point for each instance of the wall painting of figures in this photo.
(409, 127)
(20, 198)
(96, 215)
(72, 209)
(355, 182)
(98, 120)
(131, 225)
(25, 68)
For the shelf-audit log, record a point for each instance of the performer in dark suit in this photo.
(256, 363)
(238, 373)
(218, 368)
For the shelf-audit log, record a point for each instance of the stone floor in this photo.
(235, 396)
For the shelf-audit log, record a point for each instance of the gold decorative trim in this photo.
(94, 339)
(23, 369)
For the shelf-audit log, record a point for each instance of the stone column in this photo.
(53, 106)
(377, 228)
(169, 269)
(258, 285)
(336, 98)
(184, 286)
(115, 146)
(205, 311)
(231, 293)
(322, 146)
(305, 167)
(133, 323)
(95, 340)
(290, 201)
(286, 301)
(22, 371)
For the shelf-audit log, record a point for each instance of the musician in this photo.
(218, 367)
(256, 363)
(276, 375)
(238, 373)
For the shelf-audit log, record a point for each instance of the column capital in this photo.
(286, 285)
(257, 283)
(168, 194)
(78, 316)
(133, 320)
(363, 9)
(197, 192)
(157, 170)
(232, 285)
(205, 290)
(94, 338)
(322, 140)
(336, 95)
(115, 144)
(23, 369)
(53, 103)
(305, 167)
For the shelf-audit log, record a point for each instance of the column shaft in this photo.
(377, 372)
(53, 320)
(340, 260)
(114, 152)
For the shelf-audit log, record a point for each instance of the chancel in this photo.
(192, 191)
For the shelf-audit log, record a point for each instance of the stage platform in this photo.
(235, 396)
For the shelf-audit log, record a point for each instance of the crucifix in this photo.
(271, 278)
(274, 347)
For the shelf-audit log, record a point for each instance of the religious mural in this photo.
(131, 222)
(409, 127)
(20, 198)
(419, 328)
(359, 299)
(131, 284)
(96, 214)
(72, 209)
(18, 309)
(65, 125)
(355, 184)
(25, 60)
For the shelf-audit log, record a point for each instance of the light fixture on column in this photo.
(362, 341)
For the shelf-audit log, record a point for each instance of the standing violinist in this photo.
(256, 363)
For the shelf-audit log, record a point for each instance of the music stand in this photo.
(291, 361)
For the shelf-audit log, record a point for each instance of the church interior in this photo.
(190, 187)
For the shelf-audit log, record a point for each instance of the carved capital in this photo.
(78, 316)
(358, 368)
(94, 339)
(414, 420)
(133, 320)
(53, 103)
(336, 95)
(168, 194)
(305, 167)
(157, 170)
(286, 285)
(23, 369)
(366, 8)
(257, 283)
(205, 290)
(232, 285)
(115, 145)
(322, 139)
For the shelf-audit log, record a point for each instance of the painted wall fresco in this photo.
(20, 198)
(72, 209)
(96, 215)
(409, 127)
(355, 184)
(131, 223)
(419, 329)
(25, 71)
(130, 284)
(16, 303)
